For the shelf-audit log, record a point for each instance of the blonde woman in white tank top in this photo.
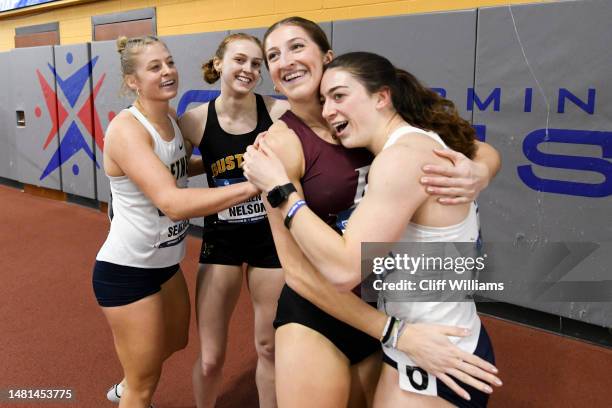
(372, 104)
(137, 279)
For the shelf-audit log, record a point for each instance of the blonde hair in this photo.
(128, 49)
(210, 74)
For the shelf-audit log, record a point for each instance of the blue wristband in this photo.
(292, 211)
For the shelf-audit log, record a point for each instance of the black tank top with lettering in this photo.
(222, 155)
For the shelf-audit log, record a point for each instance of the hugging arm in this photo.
(461, 180)
(428, 345)
(129, 147)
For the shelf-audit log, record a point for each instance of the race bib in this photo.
(415, 379)
(252, 210)
(173, 234)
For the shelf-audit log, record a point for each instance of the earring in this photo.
(138, 92)
(275, 89)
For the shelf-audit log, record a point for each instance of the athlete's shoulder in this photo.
(279, 126)
(287, 146)
(279, 134)
(195, 114)
(124, 134)
(124, 123)
(417, 144)
(276, 107)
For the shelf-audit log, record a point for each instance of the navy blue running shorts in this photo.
(119, 285)
(479, 399)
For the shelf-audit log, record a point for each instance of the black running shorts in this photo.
(118, 285)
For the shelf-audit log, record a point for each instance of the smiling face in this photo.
(353, 113)
(155, 76)
(241, 65)
(295, 62)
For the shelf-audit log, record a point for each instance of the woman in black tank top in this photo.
(239, 235)
(336, 364)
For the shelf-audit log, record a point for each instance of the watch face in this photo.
(274, 197)
(279, 194)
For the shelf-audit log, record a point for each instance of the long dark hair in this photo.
(416, 104)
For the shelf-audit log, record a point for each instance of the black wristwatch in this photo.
(278, 194)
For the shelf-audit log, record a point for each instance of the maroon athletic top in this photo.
(334, 178)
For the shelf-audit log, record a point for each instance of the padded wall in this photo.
(77, 157)
(438, 48)
(547, 68)
(108, 101)
(8, 163)
(33, 92)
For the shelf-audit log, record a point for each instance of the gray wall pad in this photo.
(532, 200)
(438, 48)
(8, 164)
(72, 63)
(109, 101)
(32, 80)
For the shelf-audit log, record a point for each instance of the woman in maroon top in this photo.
(321, 361)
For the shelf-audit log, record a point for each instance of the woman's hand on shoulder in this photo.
(286, 145)
(275, 155)
(457, 182)
(461, 179)
(263, 168)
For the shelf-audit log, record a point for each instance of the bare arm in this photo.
(134, 156)
(382, 215)
(192, 125)
(428, 345)
(487, 155)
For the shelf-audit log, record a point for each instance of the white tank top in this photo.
(140, 234)
(461, 314)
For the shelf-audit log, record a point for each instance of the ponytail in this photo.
(209, 73)
(426, 109)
